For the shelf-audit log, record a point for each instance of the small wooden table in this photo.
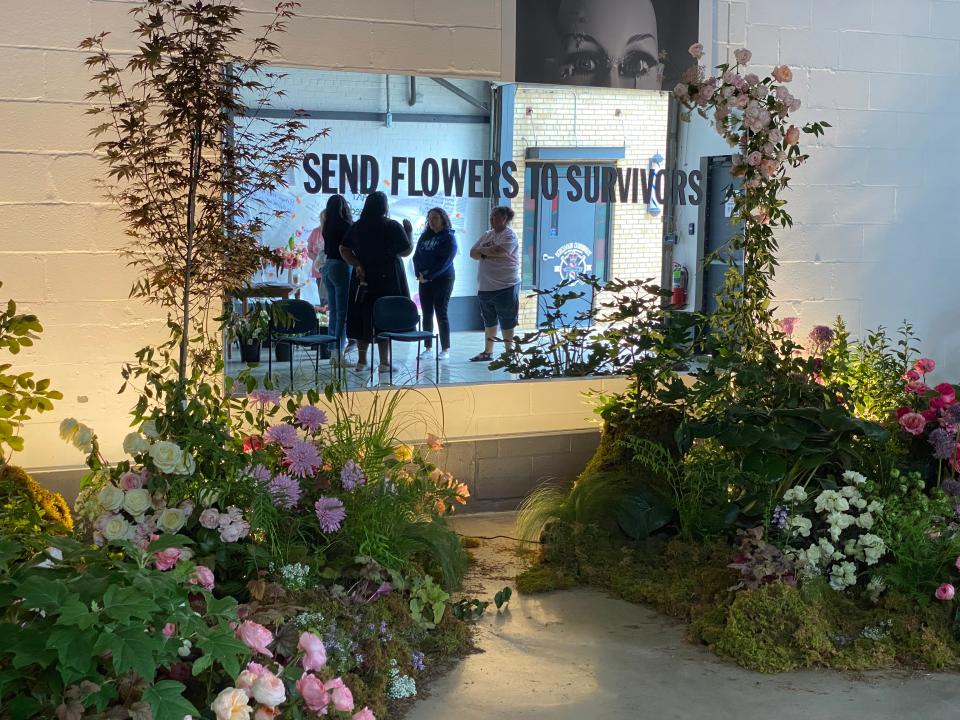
(266, 290)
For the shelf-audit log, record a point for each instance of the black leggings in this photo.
(435, 298)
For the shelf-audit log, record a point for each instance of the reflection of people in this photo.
(608, 43)
(498, 281)
(433, 263)
(336, 272)
(315, 255)
(373, 247)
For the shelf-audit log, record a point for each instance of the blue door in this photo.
(572, 240)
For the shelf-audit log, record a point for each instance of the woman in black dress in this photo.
(373, 247)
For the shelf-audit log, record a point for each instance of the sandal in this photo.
(482, 357)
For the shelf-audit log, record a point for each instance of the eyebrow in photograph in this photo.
(641, 37)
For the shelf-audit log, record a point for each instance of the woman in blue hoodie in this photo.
(433, 264)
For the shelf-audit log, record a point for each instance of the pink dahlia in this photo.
(330, 513)
(302, 458)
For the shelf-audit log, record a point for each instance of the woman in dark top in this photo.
(433, 263)
(336, 272)
(373, 247)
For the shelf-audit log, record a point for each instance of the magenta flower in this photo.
(264, 398)
(311, 418)
(913, 423)
(925, 365)
(285, 490)
(282, 434)
(302, 458)
(821, 335)
(330, 513)
(167, 559)
(945, 592)
(787, 325)
(917, 388)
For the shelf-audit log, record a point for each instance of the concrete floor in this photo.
(578, 654)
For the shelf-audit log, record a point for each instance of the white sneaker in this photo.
(360, 366)
(427, 353)
(444, 354)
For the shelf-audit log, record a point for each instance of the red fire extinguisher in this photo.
(678, 286)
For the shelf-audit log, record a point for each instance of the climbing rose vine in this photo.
(753, 116)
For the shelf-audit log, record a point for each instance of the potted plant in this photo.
(249, 330)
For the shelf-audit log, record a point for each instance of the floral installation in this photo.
(829, 532)
(753, 115)
(933, 413)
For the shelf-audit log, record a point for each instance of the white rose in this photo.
(68, 428)
(795, 494)
(110, 498)
(171, 520)
(135, 444)
(854, 477)
(865, 521)
(268, 690)
(116, 528)
(188, 466)
(83, 439)
(137, 502)
(149, 428)
(874, 506)
(231, 533)
(802, 525)
(166, 456)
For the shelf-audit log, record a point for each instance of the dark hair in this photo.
(338, 214)
(504, 211)
(443, 216)
(375, 207)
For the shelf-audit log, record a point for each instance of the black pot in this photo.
(283, 351)
(250, 351)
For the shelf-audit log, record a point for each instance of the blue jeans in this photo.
(336, 278)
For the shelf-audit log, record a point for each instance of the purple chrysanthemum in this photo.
(944, 444)
(283, 434)
(821, 334)
(352, 475)
(260, 474)
(264, 398)
(311, 418)
(952, 414)
(330, 513)
(285, 490)
(302, 458)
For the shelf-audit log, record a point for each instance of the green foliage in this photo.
(20, 393)
(868, 374)
(82, 626)
(427, 602)
(468, 609)
(26, 508)
(502, 597)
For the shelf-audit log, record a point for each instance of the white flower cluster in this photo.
(401, 686)
(78, 434)
(309, 619)
(167, 457)
(295, 576)
(838, 533)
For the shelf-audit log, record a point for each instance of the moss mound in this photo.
(26, 506)
(773, 628)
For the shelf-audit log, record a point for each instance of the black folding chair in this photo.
(395, 317)
(304, 331)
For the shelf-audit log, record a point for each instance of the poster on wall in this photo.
(639, 44)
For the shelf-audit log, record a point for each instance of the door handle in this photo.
(547, 258)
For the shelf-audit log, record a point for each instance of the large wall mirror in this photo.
(578, 166)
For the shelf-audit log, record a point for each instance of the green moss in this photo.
(542, 577)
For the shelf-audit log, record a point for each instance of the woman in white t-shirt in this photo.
(498, 281)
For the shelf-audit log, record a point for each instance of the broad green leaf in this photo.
(23, 708)
(42, 593)
(224, 647)
(76, 613)
(123, 603)
(133, 649)
(166, 701)
(73, 651)
(638, 517)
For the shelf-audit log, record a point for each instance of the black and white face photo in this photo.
(602, 43)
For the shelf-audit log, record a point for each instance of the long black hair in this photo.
(338, 215)
(447, 225)
(375, 208)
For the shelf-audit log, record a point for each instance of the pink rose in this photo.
(342, 697)
(131, 481)
(782, 73)
(268, 690)
(245, 680)
(754, 158)
(202, 576)
(315, 657)
(167, 559)
(938, 403)
(742, 56)
(793, 135)
(903, 410)
(681, 92)
(255, 636)
(947, 393)
(913, 423)
(911, 375)
(924, 365)
(696, 50)
(929, 414)
(266, 713)
(169, 630)
(917, 388)
(945, 592)
(210, 518)
(312, 692)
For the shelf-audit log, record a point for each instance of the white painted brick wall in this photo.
(875, 208)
